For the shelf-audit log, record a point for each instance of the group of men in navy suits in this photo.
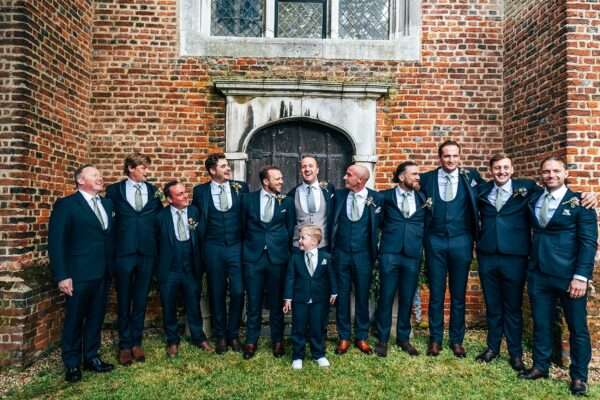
(544, 236)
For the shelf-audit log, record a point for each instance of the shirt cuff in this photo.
(287, 299)
(580, 278)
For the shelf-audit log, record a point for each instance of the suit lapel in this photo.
(170, 225)
(87, 210)
(561, 206)
(108, 210)
(318, 267)
(205, 198)
(532, 203)
(485, 193)
(194, 216)
(150, 189)
(341, 205)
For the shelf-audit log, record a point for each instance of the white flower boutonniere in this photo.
(323, 185)
(572, 202)
(428, 203)
(566, 212)
(370, 202)
(464, 172)
(193, 224)
(235, 186)
(280, 197)
(520, 192)
(158, 194)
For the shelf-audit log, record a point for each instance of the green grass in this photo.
(198, 375)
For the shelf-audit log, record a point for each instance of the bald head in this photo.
(356, 177)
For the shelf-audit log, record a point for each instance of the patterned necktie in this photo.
(268, 211)
(95, 201)
(310, 200)
(544, 212)
(354, 211)
(223, 200)
(499, 199)
(449, 194)
(139, 202)
(309, 263)
(181, 226)
(405, 204)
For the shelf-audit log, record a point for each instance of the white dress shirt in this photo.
(361, 199)
(130, 192)
(442, 182)
(505, 191)
(184, 217)
(88, 199)
(303, 194)
(215, 190)
(412, 205)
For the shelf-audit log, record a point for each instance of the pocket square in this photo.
(284, 210)
(473, 183)
(566, 212)
(324, 262)
(377, 210)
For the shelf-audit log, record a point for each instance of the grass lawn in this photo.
(198, 375)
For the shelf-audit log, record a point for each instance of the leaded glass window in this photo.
(364, 19)
(237, 18)
(301, 19)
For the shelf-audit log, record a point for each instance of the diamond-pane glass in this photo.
(299, 20)
(237, 18)
(364, 19)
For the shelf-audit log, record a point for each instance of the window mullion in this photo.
(205, 17)
(335, 19)
(270, 18)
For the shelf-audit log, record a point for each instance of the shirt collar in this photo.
(362, 194)
(214, 186)
(175, 209)
(88, 196)
(132, 183)
(402, 191)
(558, 193)
(507, 187)
(314, 185)
(314, 252)
(443, 174)
(264, 193)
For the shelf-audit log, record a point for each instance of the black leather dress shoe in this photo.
(487, 356)
(407, 347)
(517, 363)
(249, 351)
(235, 345)
(578, 387)
(533, 374)
(381, 349)
(97, 365)
(73, 375)
(278, 349)
(221, 346)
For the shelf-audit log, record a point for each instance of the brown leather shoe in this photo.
(408, 348)
(458, 350)
(138, 354)
(249, 351)
(434, 349)
(221, 346)
(342, 347)
(278, 349)
(363, 346)
(203, 345)
(172, 350)
(235, 345)
(125, 358)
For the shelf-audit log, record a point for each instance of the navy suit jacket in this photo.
(77, 245)
(402, 236)
(567, 245)
(374, 213)
(469, 176)
(133, 228)
(329, 194)
(202, 196)
(507, 231)
(165, 237)
(275, 235)
(301, 287)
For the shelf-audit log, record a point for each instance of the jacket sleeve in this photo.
(332, 276)
(288, 291)
(290, 219)
(58, 233)
(587, 237)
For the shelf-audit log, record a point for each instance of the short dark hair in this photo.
(401, 168)
(168, 186)
(447, 143)
(133, 160)
(212, 160)
(264, 172)
(497, 157)
(78, 172)
(553, 158)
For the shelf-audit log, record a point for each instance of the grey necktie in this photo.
(223, 200)
(499, 199)
(310, 200)
(95, 201)
(544, 212)
(309, 263)
(139, 202)
(354, 211)
(449, 194)
(181, 226)
(406, 204)
(268, 211)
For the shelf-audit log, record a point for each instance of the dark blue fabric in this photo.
(223, 227)
(455, 217)
(307, 324)
(182, 256)
(352, 236)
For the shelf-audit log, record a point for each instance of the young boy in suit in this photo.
(311, 285)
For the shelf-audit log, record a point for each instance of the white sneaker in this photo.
(297, 364)
(323, 362)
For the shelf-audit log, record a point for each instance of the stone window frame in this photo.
(404, 44)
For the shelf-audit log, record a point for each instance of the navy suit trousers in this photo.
(224, 271)
(448, 257)
(84, 314)
(397, 274)
(502, 280)
(264, 278)
(353, 269)
(133, 275)
(307, 323)
(544, 293)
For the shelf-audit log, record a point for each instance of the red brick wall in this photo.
(45, 90)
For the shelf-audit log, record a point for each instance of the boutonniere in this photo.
(522, 192)
(573, 202)
(113, 214)
(566, 212)
(235, 186)
(370, 202)
(464, 172)
(280, 197)
(192, 224)
(428, 203)
(323, 185)
(158, 194)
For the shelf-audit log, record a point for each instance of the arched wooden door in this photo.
(285, 143)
